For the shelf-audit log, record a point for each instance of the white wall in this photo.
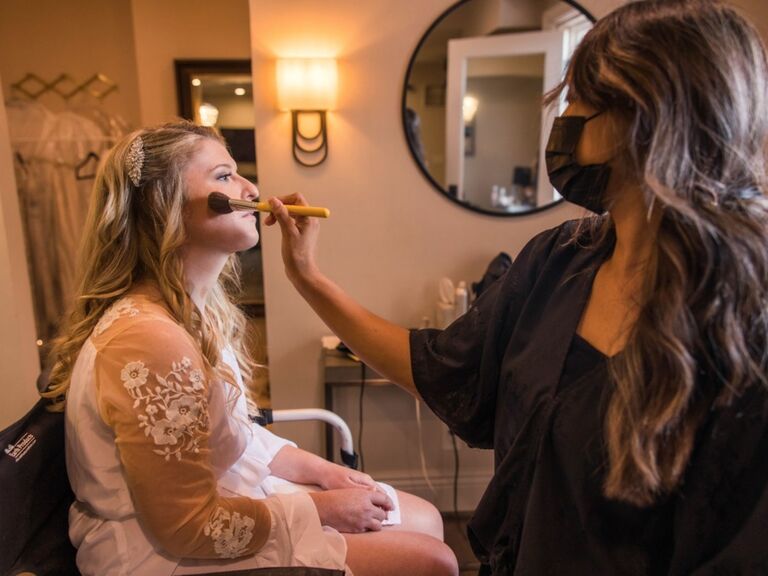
(19, 364)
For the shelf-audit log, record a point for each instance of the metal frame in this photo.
(404, 121)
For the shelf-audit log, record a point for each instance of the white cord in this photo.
(421, 448)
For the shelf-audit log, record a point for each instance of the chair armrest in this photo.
(348, 455)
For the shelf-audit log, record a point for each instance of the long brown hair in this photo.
(689, 78)
(134, 233)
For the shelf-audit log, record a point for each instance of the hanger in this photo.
(86, 168)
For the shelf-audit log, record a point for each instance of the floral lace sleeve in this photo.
(152, 391)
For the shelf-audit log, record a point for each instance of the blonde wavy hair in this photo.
(689, 78)
(134, 232)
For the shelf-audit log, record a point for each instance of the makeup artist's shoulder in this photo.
(559, 243)
(569, 232)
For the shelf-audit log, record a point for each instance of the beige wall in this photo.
(391, 236)
(19, 365)
(757, 12)
(79, 38)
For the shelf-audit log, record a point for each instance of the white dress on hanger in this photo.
(54, 202)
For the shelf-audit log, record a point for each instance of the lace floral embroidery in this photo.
(230, 532)
(175, 411)
(120, 308)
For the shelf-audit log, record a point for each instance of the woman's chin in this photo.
(248, 244)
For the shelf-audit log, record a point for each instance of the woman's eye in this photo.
(224, 177)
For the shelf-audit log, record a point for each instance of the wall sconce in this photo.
(307, 88)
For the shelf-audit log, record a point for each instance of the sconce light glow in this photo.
(307, 87)
(196, 81)
(469, 108)
(239, 91)
(209, 114)
(306, 83)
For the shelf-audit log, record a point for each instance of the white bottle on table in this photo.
(461, 299)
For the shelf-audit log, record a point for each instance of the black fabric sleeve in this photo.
(456, 370)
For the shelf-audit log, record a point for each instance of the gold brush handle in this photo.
(297, 210)
(316, 211)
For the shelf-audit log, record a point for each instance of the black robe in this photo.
(496, 378)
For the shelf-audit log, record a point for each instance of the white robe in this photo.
(207, 434)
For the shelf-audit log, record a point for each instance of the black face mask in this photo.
(582, 185)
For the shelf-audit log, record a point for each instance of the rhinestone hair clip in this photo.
(135, 160)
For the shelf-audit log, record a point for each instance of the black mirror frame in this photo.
(185, 70)
(435, 184)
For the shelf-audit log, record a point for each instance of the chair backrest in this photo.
(35, 497)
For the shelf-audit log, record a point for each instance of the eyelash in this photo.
(224, 177)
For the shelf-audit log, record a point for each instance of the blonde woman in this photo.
(618, 370)
(169, 475)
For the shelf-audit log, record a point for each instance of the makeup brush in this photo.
(223, 204)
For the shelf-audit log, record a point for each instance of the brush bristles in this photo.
(219, 202)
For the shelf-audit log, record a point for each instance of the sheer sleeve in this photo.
(456, 370)
(152, 391)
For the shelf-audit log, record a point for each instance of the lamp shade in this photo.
(306, 83)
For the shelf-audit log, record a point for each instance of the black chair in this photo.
(35, 497)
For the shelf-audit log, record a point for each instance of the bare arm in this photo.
(303, 467)
(350, 500)
(382, 345)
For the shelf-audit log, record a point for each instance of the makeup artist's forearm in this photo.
(382, 345)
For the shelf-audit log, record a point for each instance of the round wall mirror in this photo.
(473, 109)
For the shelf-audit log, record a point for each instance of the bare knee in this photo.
(419, 515)
(443, 561)
(394, 553)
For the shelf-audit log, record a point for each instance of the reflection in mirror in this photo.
(472, 100)
(218, 93)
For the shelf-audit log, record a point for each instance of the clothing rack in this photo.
(33, 86)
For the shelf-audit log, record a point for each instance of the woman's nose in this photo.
(250, 191)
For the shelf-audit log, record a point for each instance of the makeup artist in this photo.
(618, 370)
